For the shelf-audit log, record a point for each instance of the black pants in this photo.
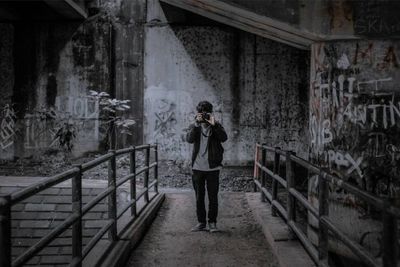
(201, 180)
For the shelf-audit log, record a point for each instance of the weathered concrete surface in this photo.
(169, 241)
(129, 18)
(325, 20)
(258, 87)
(63, 61)
(288, 251)
(355, 129)
(54, 65)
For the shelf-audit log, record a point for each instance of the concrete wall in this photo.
(258, 87)
(355, 128)
(129, 18)
(51, 65)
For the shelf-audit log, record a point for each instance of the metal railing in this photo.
(390, 212)
(78, 210)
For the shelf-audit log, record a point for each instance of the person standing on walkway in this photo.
(206, 134)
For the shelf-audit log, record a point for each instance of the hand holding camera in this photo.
(205, 117)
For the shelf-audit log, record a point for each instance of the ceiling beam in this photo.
(248, 21)
(67, 8)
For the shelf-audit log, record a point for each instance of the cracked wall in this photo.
(258, 87)
(47, 72)
(354, 131)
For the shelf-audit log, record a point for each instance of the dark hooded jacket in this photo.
(215, 149)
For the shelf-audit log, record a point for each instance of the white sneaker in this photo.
(212, 227)
(199, 227)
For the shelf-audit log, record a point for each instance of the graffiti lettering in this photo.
(164, 121)
(7, 127)
(344, 160)
(81, 108)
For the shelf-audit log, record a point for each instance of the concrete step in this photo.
(288, 250)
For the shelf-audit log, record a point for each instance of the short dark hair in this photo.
(204, 106)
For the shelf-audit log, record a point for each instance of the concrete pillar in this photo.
(129, 53)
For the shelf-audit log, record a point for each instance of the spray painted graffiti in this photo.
(355, 114)
(164, 127)
(343, 160)
(38, 132)
(82, 111)
(7, 127)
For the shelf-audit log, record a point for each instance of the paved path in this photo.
(169, 241)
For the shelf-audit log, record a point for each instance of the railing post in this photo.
(132, 160)
(389, 238)
(291, 208)
(146, 175)
(256, 169)
(5, 231)
(274, 182)
(323, 210)
(263, 174)
(112, 197)
(77, 226)
(156, 168)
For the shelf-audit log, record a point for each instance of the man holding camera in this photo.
(207, 135)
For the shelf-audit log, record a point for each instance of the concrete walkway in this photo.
(169, 241)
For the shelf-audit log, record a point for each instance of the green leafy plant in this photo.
(111, 111)
(65, 129)
(66, 134)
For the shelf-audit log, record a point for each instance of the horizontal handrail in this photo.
(90, 245)
(94, 163)
(274, 203)
(124, 150)
(27, 255)
(125, 179)
(42, 185)
(75, 220)
(304, 240)
(356, 248)
(275, 176)
(369, 198)
(144, 190)
(302, 162)
(96, 200)
(304, 201)
(261, 172)
(131, 149)
(130, 176)
(272, 149)
(125, 208)
(152, 184)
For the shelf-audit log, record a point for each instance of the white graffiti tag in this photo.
(7, 128)
(344, 160)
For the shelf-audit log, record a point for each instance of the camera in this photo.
(205, 116)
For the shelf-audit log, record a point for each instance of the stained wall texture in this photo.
(258, 87)
(51, 66)
(355, 128)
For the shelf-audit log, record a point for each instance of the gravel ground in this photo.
(171, 175)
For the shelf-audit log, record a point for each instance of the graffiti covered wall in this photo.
(355, 113)
(258, 87)
(47, 85)
(355, 127)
